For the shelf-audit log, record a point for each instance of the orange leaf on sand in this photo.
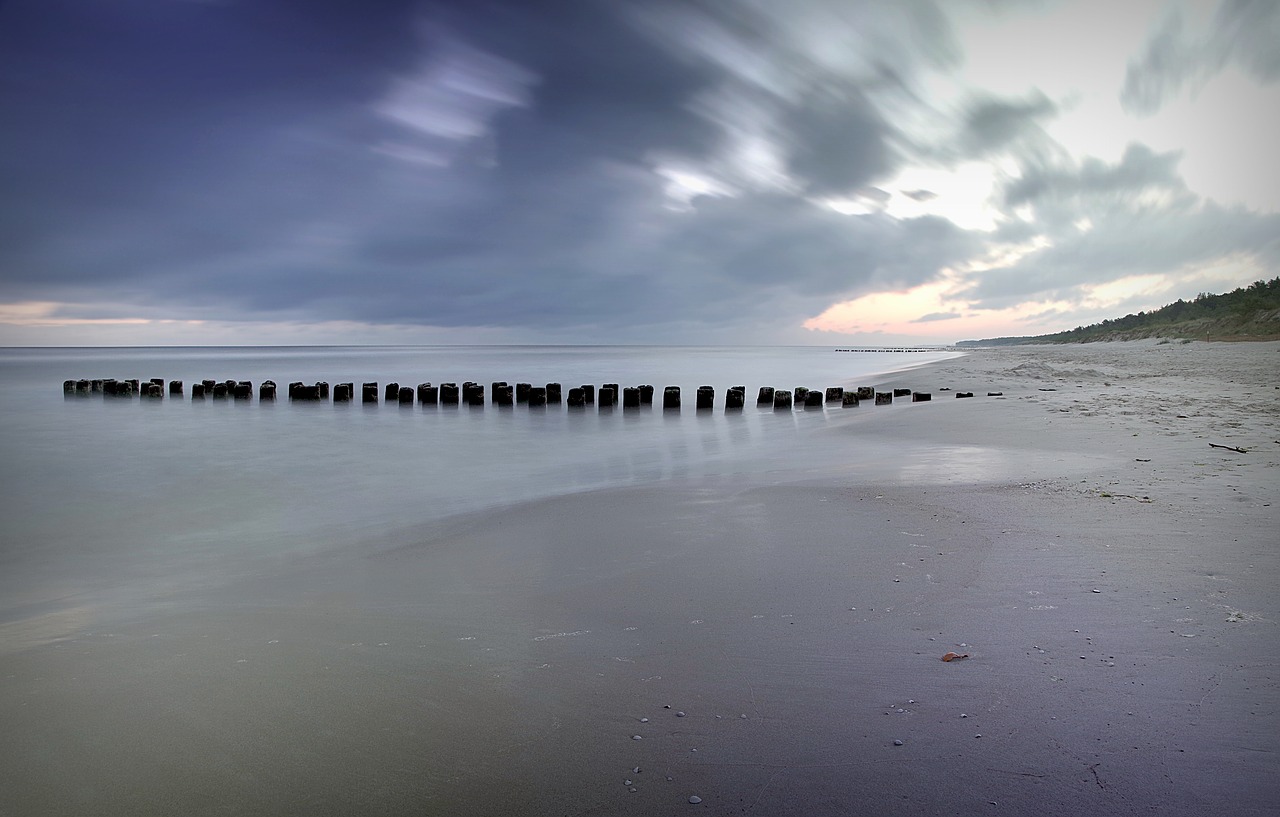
(954, 656)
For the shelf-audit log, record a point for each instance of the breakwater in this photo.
(498, 393)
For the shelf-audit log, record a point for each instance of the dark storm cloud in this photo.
(1243, 33)
(487, 164)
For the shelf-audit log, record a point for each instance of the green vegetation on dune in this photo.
(1247, 313)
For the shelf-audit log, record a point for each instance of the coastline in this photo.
(1108, 573)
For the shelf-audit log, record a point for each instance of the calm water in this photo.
(126, 501)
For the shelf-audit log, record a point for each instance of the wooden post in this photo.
(369, 393)
(921, 397)
(849, 399)
(735, 397)
(765, 397)
(705, 398)
(671, 397)
(781, 400)
(884, 398)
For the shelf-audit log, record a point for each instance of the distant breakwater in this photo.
(498, 393)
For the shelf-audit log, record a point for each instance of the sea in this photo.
(119, 502)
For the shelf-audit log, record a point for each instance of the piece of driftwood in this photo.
(1230, 448)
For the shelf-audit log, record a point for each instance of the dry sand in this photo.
(761, 644)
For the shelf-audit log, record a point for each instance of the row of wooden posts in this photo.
(501, 393)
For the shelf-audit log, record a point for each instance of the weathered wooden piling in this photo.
(588, 393)
(866, 392)
(964, 394)
(646, 395)
(765, 397)
(631, 397)
(849, 399)
(800, 393)
(781, 400)
(555, 393)
(324, 389)
(995, 394)
(68, 387)
(606, 398)
(243, 390)
(304, 392)
(617, 393)
(405, 396)
(504, 395)
(448, 394)
(835, 394)
(428, 395)
(884, 398)
(921, 397)
(391, 392)
(671, 397)
(576, 398)
(219, 391)
(705, 398)
(735, 398)
(267, 391)
(522, 392)
(197, 391)
(175, 387)
(152, 391)
(902, 392)
(814, 399)
(537, 396)
(369, 393)
(208, 385)
(342, 392)
(472, 393)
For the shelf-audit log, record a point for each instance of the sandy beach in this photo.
(769, 645)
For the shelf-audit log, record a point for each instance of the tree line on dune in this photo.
(1246, 313)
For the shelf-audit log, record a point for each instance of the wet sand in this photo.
(768, 640)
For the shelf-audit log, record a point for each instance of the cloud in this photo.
(991, 124)
(624, 170)
(1140, 170)
(1242, 33)
(936, 316)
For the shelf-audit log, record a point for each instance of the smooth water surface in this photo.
(129, 500)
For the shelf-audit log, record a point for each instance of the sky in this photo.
(876, 172)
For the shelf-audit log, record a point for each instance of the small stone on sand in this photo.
(636, 737)
(679, 714)
(897, 743)
(695, 799)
